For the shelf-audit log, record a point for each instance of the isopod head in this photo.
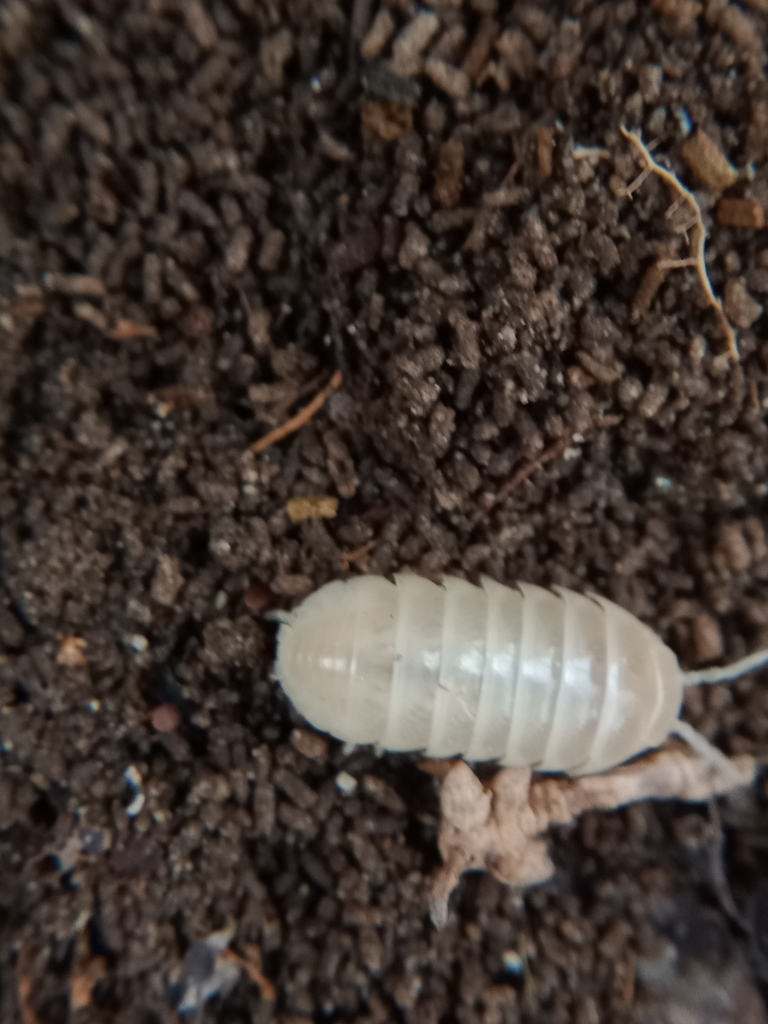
(335, 655)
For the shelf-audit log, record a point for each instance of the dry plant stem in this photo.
(500, 827)
(301, 418)
(699, 232)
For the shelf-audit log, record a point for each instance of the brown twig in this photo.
(699, 232)
(300, 419)
(349, 558)
(519, 475)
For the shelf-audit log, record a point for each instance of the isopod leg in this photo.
(708, 752)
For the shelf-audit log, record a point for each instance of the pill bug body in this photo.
(552, 680)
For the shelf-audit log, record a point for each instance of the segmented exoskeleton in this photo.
(546, 679)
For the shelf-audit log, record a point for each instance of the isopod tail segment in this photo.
(549, 680)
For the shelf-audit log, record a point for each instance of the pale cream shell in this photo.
(522, 675)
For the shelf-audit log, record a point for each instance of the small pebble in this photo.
(257, 597)
(134, 808)
(346, 783)
(272, 246)
(414, 248)
(378, 36)
(732, 544)
(654, 397)
(238, 249)
(274, 52)
(310, 744)
(94, 841)
(200, 25)
(412, 41)
(513, 962)
(167, 582)
(453, 81)
(740, 308)
(707, 639)
(139, 643)
(197, 321)
(132, 776)
(166, 718)
(407, 991)
(94, 706)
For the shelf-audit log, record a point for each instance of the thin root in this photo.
(634, 185)
(521, 474)
(676, 264)
(698, 241)
(300, 419)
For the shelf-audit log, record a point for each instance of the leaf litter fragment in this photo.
(322, 506)
(500, 827)
(72, 651)
(708, 163)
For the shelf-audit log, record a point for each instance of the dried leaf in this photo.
(125, 330)
(320, 507)
(72, 651)
(708, 163)
(740, 213)
(387, 120)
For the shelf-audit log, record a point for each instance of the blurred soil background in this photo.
(207, 210)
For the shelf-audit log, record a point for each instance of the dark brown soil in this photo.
(221, 172)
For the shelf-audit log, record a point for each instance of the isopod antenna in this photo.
(727, 672)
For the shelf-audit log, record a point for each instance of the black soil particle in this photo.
(207, 208)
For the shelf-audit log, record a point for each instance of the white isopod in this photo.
(529, 677)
